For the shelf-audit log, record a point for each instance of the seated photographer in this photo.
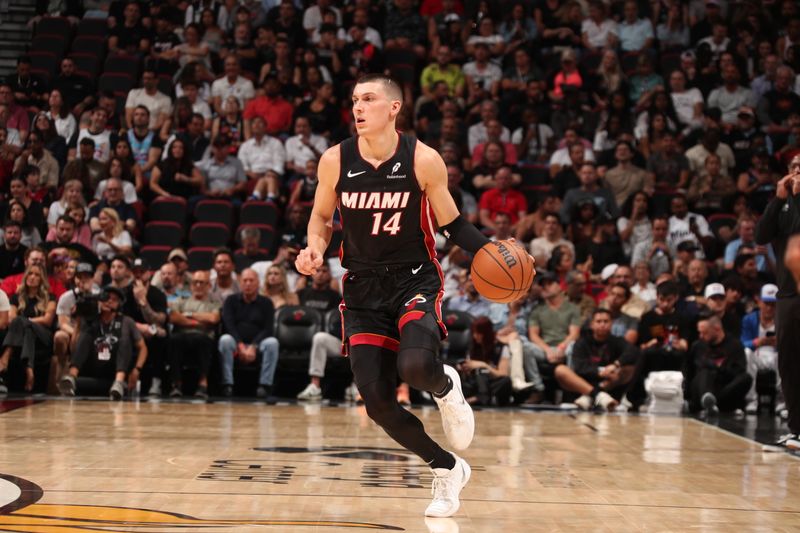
(74, 307)
(485, 373)
(33, 308)
(248, 320)
(602, 365)
(195, 321)
(106, 346)
(147, 306)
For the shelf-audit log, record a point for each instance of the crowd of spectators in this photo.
(629, 145)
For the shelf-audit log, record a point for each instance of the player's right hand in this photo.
(308, 261)
(785, 186)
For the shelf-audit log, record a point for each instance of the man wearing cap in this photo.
(731, 97)
(780, 222)
(107, 348)
(147, 306)
(554, 326)
(758, 338)
(69, 321)
(183, 279)
(716, 302)
(745, 139)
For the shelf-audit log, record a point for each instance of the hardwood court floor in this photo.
(76, 465)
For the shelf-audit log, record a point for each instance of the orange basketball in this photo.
(502, 271)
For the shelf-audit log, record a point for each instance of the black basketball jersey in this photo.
(386, 218)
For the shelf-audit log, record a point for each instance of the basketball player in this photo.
(390, 190)
(778, 225)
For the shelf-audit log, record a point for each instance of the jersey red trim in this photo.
(373, 339)
(439, 297)
(426, 219)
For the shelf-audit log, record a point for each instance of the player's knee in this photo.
(418, 361)
(384, 413)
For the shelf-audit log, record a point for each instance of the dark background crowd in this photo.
(158, 164)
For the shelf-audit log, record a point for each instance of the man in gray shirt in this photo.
(225, 176)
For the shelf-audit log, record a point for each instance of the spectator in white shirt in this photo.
(688, 103)
(731, 96)
(264, 159)
(477, 132)
(598, 31)
(304, 146)
(158, 103)
(231, 84)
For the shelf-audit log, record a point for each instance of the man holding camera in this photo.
(107, 345)
(74, 308)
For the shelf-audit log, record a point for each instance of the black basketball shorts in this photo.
(379, 302)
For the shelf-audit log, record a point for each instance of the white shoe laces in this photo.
(441, 487)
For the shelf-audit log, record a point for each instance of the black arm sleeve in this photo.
(464, 234)
(767, 227)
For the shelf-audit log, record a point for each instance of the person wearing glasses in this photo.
(195, 321)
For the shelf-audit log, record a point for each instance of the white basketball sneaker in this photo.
(458, 420)
(447, 485)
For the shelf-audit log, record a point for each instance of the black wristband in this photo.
(464, 234)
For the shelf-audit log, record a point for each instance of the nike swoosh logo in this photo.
(415, 270)
(350, 173)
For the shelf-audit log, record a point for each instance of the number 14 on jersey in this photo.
(391, 226)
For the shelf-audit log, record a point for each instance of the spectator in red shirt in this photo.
(275, 111)
(502, 199)
(17, 116)
(33, 256)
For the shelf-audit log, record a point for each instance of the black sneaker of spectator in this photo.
(201, 392)
(175, 392)
(227, 391)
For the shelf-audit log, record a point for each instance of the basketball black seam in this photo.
(486, 281)
(501, 265)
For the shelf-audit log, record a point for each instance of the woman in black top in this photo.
(321, 113)
(176, 175)
(33, 310)
(486, 371)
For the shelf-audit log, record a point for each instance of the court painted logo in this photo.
(20, 511)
